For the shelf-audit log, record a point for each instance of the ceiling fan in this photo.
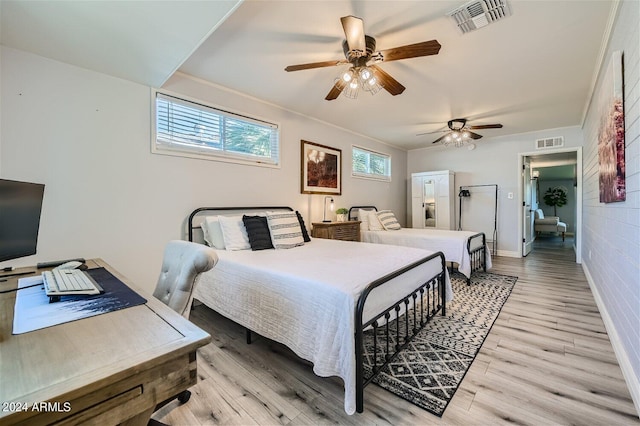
(459, 132)
(360, 51)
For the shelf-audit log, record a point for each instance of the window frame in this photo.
(210, 154)
(371, 176)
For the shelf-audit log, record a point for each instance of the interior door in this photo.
(527, 209)
(417, 202)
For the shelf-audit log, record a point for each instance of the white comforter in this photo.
(452, 243)
(305, 297)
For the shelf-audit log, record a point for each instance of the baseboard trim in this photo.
(632, 381)
(505, 253)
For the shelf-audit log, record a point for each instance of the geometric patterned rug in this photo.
(428, 372)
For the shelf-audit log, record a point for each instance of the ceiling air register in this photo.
(477, 14)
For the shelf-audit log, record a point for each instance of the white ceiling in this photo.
(555, 166)
(531, 71)
(141, 41)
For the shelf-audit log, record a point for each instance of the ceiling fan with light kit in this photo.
(363, 72)
(459, 132)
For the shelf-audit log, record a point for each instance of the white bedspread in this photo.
(452, 243)
(305, 297)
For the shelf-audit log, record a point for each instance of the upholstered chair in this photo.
(182, 262)
(548, 224)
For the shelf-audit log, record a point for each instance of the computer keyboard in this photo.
(63, 282)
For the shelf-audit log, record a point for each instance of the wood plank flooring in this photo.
(547, 360)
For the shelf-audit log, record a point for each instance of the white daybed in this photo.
(467, 249)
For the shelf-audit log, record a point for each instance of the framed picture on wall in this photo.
(611, 161)
(321, 169)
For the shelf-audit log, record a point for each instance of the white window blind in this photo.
(192, 129)
(371, 164)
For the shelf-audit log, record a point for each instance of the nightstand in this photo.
(346, 231)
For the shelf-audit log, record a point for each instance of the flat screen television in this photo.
(20, 207)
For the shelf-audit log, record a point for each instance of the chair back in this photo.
(539, 214)
(182, 262)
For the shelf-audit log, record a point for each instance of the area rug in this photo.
(428, 372)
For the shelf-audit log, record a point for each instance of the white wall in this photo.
(567, 213)
(86, 136)
(493, 161)
(268, 185)
(611, 244)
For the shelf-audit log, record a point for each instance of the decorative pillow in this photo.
(363, 217)
(303, 228)
(258, 232)
(234, 233)
(285, 230)
(388, 220)
(374, 222)
(212, 232)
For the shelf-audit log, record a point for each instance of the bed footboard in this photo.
(394, 328)
(477, 254)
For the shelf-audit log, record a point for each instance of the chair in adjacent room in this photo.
(182, 263)
(548, 224)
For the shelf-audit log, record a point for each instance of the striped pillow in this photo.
(285, 230)
(388, 220)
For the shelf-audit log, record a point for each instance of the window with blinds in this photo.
(370, 164)
(191, 129)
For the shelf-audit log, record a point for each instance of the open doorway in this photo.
(544, 176)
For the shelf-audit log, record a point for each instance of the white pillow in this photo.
(363, 217)
(212, 232)
(234, 233)
(374, 222)
(285, 230)
(388, 220)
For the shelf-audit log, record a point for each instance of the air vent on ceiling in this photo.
(555, 142)
(479, 13)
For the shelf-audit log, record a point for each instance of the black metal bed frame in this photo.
(417, 308)
(477, 255)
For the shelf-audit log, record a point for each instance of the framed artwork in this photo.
(321, 169)
(611, 161)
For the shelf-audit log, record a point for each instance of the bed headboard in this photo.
(196, 217)
(353, 211)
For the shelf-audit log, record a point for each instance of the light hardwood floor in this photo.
(547, 360)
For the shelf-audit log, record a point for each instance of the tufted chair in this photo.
(181, 264)
(548, 224)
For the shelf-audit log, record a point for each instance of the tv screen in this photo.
(20, 206)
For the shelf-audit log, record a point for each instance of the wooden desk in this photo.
(107, 369)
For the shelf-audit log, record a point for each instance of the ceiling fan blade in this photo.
(486, 126)
(416, 50)
(311, 65)
(389, 83)
(474, 135)
(354, 32)
(440, 138)
(336, 90)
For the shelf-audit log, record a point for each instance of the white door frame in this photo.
(527, 198)
(578, 235)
